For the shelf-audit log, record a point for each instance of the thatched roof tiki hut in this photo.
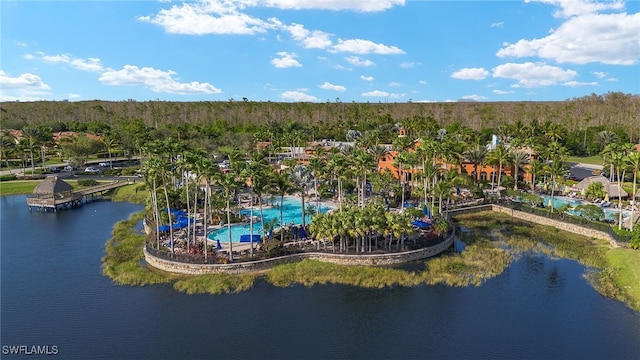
(51, 193)
(611, 189)
(52, 186)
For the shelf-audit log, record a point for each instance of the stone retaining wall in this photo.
(254, 266)
(572, 228)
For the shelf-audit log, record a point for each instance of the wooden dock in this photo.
(73, 199)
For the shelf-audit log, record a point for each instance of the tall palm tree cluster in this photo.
(621, 159)
(180, 177)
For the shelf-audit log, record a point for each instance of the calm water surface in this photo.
(53, 293)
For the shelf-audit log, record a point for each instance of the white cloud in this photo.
(531, 75)
(422, 82)
(393, 83)
(59, 58)
(355, 5)
(470, 74)
(366, 78)
(354, 60)
(497, 24)
(502, 92)
(574, 83)
(568, 8)
(600, 74)
(156, 80)
(208, 17)
(25, 87)
(376, 93)
(360, 46)
(24, 81)
(408, 65)
(90, 64)
(309, 39)
(74, 96)
(585, 37)
(330, 86)
(286, 60)
(297, 96)
(474, 97)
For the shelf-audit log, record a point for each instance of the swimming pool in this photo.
(291, 212)
(609, 214)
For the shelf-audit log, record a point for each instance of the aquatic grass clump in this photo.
(123, 257)
(313, 272)
(476, 264)
(215, 284)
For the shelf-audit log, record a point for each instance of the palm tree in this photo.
(229, 185)
(110, 142)
(337, 165)
(555, 169)
(207, 169)
(301, 178)
(362, 161)
(30, 142)
(7, 145)
(536, 167)
(282, 186)
(401, 159)
(442, 190)
(477, 155)
(518, 159)
(317, 166)
(633, 164)
(618, 160)
(499, 156)
(184, 165)
(151, 169)
(251, 172)
(164, 167)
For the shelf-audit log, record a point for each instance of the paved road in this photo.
(581, 171)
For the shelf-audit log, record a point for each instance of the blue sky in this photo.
(318, 50)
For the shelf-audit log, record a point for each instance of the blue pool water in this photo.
(609, 214)
(291, 212)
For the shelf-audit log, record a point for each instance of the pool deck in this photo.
(240, 247)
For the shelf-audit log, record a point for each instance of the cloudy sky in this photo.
(318, 50)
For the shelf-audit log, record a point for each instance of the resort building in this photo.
(480, 171)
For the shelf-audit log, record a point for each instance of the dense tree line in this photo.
(580, 118)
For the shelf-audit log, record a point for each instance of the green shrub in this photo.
(87, 182)
(8, 177)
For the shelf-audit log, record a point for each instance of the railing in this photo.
(562, 216)
(183, 258)
(559, 216)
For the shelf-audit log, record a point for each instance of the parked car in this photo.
(92, 170)
(68, 168)
(104, 164)
(54, 169)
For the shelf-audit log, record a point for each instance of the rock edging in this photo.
(259, 265)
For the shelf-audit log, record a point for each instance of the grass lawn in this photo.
(18, 187)
(627, 263)
(593, 160)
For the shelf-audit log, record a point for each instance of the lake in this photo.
(53, 294)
